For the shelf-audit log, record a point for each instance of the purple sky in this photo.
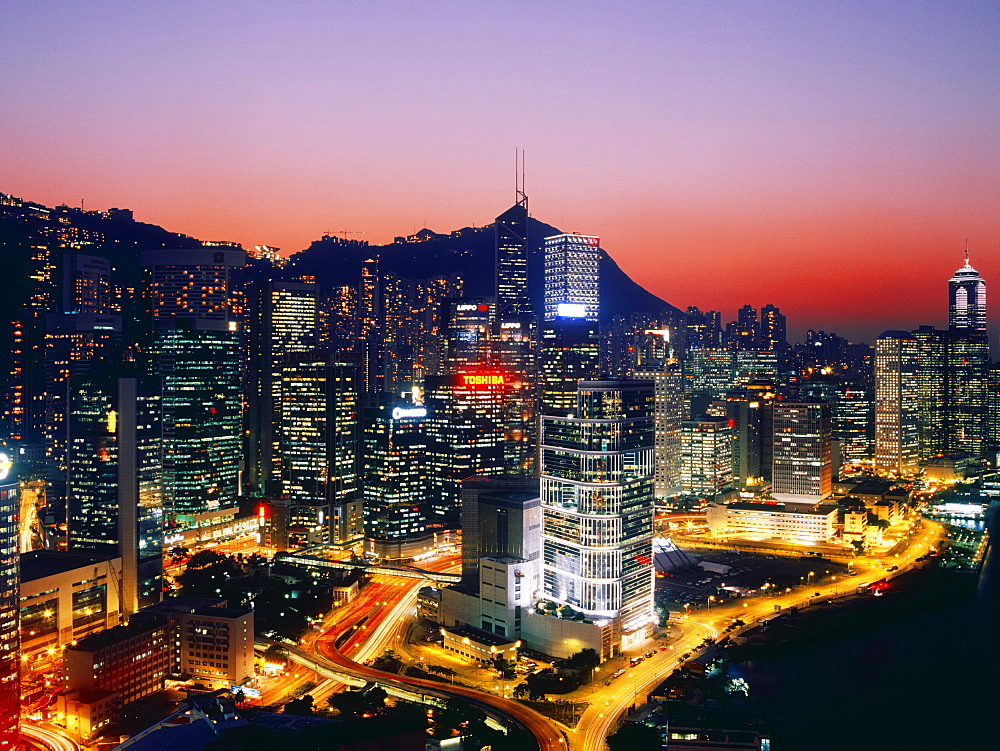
(830, 158)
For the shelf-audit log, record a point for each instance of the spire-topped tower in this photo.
(967, 299)
(512, 248)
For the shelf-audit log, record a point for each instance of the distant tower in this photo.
(802, 460)
(512, 251)
(897, 407)
(967, 299)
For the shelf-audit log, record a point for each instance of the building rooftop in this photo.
(115, 635)
(39, 564)
(481, 637)
(781, 508)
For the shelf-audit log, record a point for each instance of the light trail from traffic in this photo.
(48, 738)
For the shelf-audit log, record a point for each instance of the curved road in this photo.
(608, 704)
(47, 738)
(372, 621)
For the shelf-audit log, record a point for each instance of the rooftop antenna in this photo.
(966, 251)
(522, 198)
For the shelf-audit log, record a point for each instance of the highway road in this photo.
(375, 621)
(42, 737)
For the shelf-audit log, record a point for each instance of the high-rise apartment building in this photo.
(114, 480)
(572, 277)
(967, 299)
(597, 503)
(897, 405)
(802, 460)
(10, 606)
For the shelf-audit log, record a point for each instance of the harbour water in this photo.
(927, 680)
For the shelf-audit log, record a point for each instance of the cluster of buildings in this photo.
(180, 391)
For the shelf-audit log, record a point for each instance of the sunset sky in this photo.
(828, 157)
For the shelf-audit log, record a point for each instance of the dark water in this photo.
(930, 680)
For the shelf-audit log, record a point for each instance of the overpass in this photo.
(410, 572)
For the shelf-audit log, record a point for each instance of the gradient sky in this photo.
(828, 157)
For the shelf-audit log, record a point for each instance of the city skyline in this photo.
(814, 150)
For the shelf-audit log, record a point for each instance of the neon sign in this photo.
(400, 413)
(482, 379)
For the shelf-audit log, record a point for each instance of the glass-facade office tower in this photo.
(597, 503)
(572, 277)
(706, 455)
(10, 607)
(802, 459)
(114, 480)
(897, 405)
(317, 449)
(512, 259)
(655, 361)
(952, 385)
(398, 480)
(195, 301)
(464, 419)
(282, 320)
(967, 299)
(569, 352)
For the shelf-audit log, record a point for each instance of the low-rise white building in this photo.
(763, 520)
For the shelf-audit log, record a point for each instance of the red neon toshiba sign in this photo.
(482, 379)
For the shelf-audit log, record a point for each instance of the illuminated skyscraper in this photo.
(967, 299)
(114, 479)
(706, 455)
(464, 418)
(597, 503)
(398, 480)
(952, 385)
(512, 258)
(468, 332)
(572, 277)
(802, 462)
(10, 607)
(569, 352)
(317, 449)
(283, 321)
(195, 301)
(655, 361)
(897, 406)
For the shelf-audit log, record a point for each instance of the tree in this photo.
(302, 706)
(585, 659)
(633, 736)
(505, 667)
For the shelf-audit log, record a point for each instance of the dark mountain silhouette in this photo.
(470, 253)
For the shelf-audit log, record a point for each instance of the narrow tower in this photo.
(967, 299)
